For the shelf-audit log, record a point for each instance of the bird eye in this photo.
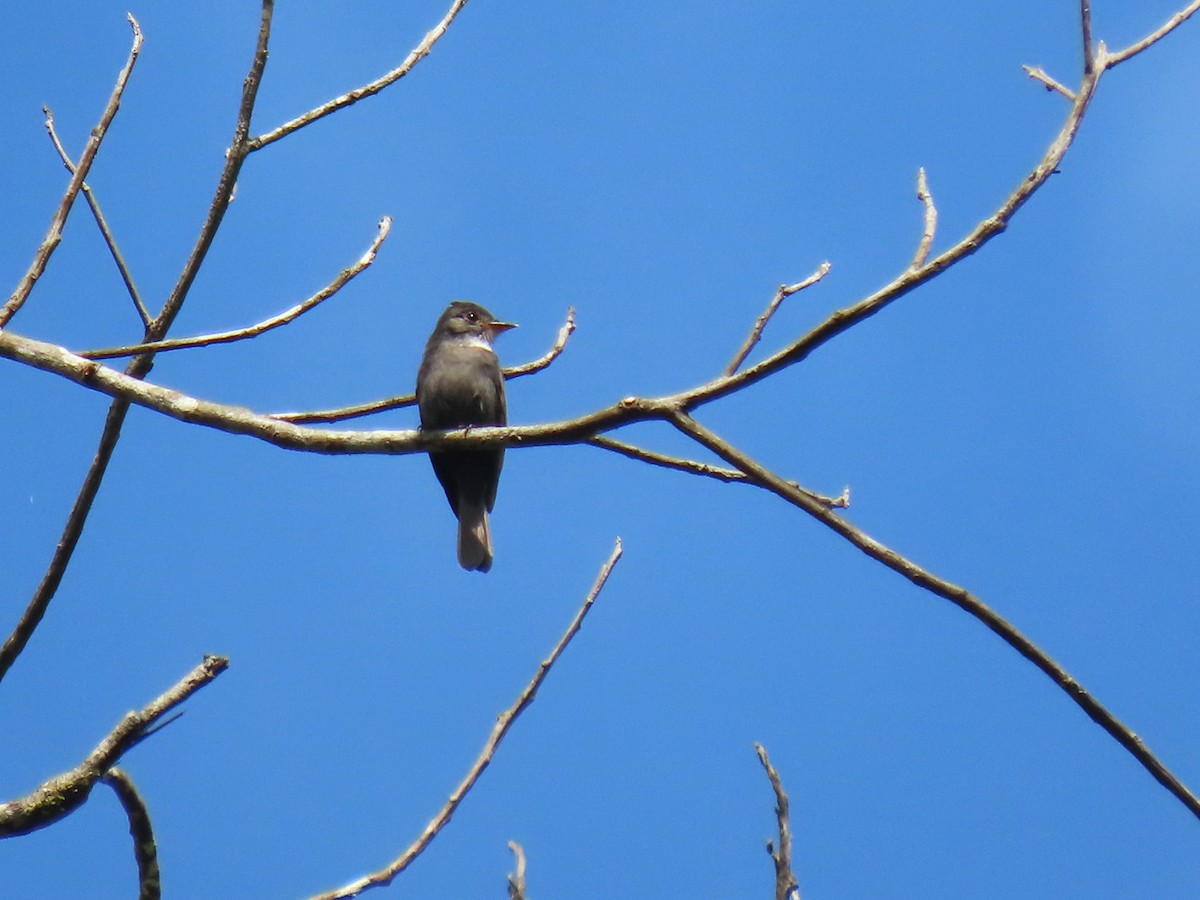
(471, 317)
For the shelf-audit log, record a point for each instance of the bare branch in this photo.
(959, 596)
(59, 219)
(930, 229)
(101, 222)
(560, 344)
(503, 723)
(283, 318)
(785, 880)
(785, 291)
(694, 467)
(1039, 74)
(516, 881)
(350, 97)
(65, 793)
(145, 849)
(376, 406)
(1154, 37)
(138, 368)
(1085, 26)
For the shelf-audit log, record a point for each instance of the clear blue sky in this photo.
(1025, 426)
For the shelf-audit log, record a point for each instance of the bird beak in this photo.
(496, 327)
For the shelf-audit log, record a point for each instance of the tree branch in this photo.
(931, 217)
(283, 318)
(140, 365)
(503, 723)
(516, 881)
(785, 291)
(1039, 74)
(145, 849)
(785, 880)
(1114, 59)
(58, 220)
(65, 793)
(101, 222)
(376, 406)
(959, 596)
(350, 97)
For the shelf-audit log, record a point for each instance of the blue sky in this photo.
(1024, 426)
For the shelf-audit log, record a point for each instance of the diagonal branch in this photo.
(65, 793)
(695, 467)
(503, 723)
(350, 97)
(1114, 59)
(959, 596)
(283, 318)
(101, 222)
(145, 848)
(785, 291)
(137, 369)
(59, 219)
(1039, 74)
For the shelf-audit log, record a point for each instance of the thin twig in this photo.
(503, 723)
(64, 793)
(959, 596)
(785, 880)
(1039, 74)
(695, 467)
(1154, 37)
(422, 50)
(1085, 26)
(785, 291)
(377, 406)
(58, 220)
(283, 318)
(145, 849)
(516, 881)
(101, 222)
(931, 217)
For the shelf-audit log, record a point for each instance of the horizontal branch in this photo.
(65, 793)
(343, 413)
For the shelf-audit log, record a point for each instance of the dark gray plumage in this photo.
(459, 384)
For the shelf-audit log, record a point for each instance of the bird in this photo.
(459, 385)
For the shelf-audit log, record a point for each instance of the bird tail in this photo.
(474, 536)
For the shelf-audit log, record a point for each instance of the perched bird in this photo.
(458, 385)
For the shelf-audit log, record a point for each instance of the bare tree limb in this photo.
(101, 222)
(694, 467)
(140, 365)
(785, 880)
(1114, 59)
(65, 793)
(931, 217)
(1039, 74)
(283, 318)
(959, 596)
(503, 723)
(516, 881)
(350, 97)
(785, 291)
(145, 849)
(58, 220)
(376, 406)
